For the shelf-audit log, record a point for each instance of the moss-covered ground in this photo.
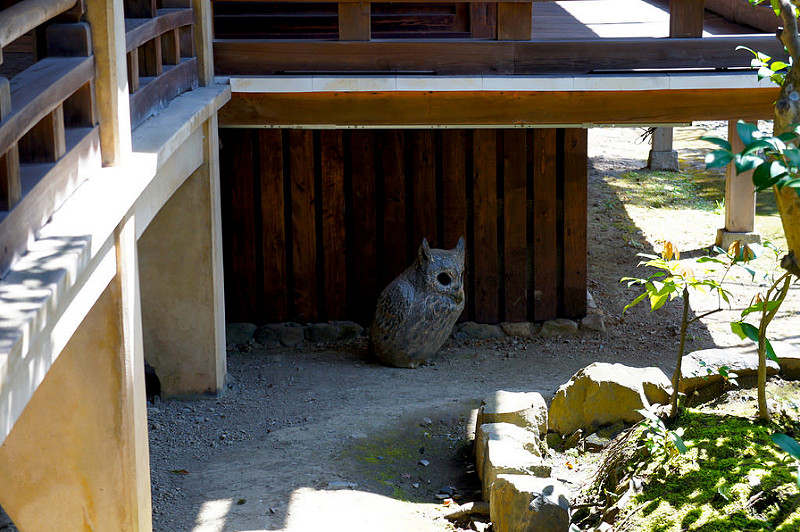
(733, 478)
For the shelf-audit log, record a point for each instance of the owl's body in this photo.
(417, 311)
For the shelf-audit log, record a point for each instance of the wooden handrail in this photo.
(21, 18)
(382, 1)
(140, 30)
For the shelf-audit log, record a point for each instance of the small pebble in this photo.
(424, 462)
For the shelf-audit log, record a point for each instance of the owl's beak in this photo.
(458, 297)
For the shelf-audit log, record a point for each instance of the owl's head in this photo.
(443, 269)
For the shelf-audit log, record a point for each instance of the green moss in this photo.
(709, 489)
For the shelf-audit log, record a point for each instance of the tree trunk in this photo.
(676, 377)
(787, 114)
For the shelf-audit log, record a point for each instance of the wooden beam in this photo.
(45, 142)
(22, 17)
(171, 47)
(575, 177)
(354, 21)
(496, 108)
(203, 38)
(471, 57)
(484, 179)
(544, 224)
(140, 31)
(333, 224)
(514, 21)
(10, 185)
(740, 193)
(515, 225)
(140, 8)
(686, 18)
(68, 40)
(163, 89)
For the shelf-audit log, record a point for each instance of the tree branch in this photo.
(789, 35)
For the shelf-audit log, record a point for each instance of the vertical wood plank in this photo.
(171, 47)
(133, 70)
(454, 186)
(485, 225)
(203, 36)
(515, 224)
(243, 277)
(423, 179)
(273, 230)
(186, 34)
(46, 141)
(686, 18)
(304, 233)
(79, 109)
(354, 21)
(544, 224)
(393, 205)
(514, 21)
(333, 223)
(364, 282)
(150, 58)
(10, 185)
(575, 209)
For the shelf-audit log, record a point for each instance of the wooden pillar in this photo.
(107, 19)
(686, 18)
(77, 457)
(662, 156)
(514, 21)
(203, 39)
(354, 21)
(180, 260)
(740, 200)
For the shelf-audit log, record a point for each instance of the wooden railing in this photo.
(160, 53)
(48, 132)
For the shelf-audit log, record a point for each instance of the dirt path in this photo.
(315, 438)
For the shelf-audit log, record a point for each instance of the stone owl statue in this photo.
(416, 312)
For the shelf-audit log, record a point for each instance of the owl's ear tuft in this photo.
(461, 244)
(424, 252)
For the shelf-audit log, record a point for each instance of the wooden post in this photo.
(203, 41)
(10, 186)
(740, 200)
(46, 141)
(354, 21)
(514, 21)
(108, 33)
(662, 156)
(686, 18)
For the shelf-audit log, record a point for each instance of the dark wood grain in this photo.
(575, 205)
(304, 234)
(544, 224)
(484, 178)
(393, 205)
(423, 183)
(515, 225)
(273, 229)
(454, 186)
(333, 223)
(363, 283)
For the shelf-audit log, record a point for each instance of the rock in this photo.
(500, 431)
(559, 327)
(286, 334)
(348, 329)
(603, 393)
(590, 303)
(789, 359)
(594, 323)
(481, 331)
(596, 442)
(522, 329)
(239, 333)
(322, 332)
(522, 504)
(553, 440)
(573, 440)
(509, 457)
(523, 409)
(611, 431)
(705, 376)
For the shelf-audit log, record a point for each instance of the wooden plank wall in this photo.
(317, 222)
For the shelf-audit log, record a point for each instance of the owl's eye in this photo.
(444, 278)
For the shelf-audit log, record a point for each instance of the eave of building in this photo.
(637, 98)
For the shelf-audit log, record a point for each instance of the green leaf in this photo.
(744, 330)
(787, 443)
(722, 143)
(778, 65)
(717, 158)
(792, 155)
(770, 352)
(758, 307)
(776, 7)
(748, 132)
(635, 302)
(657, 301)
(759, 144)
(679, 443)
(745, 163)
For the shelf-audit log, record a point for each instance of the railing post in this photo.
(686, 18)
(354, 21)
(514, 21)
(203, 41)
(108, 33)
(10, 185)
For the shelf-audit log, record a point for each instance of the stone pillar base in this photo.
(726, 238)
(663, 160)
